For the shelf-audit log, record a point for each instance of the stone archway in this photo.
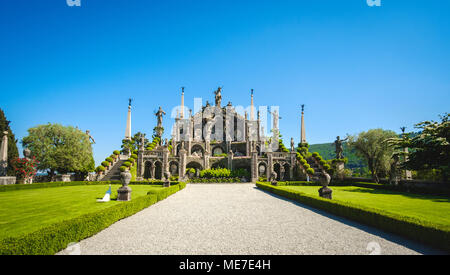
(286, 167)
(217, 150)
(277, 169)
(173, 168)
(148, 170)
(262, 169)
(158, 170)
(197, 150)
(195, 165)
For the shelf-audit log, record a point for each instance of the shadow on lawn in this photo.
(413, 245)
(389, 192)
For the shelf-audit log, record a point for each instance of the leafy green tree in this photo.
(429, 149)
(374, 148)
(134, 144)
(13, 152)
(61, 149)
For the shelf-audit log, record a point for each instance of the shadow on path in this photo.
(413, 245)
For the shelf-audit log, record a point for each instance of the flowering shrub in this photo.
(25, 168)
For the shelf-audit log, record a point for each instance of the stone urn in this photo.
(166, 179)
(325, 192)
(273, 178)
(124, 192)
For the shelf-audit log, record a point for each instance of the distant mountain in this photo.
(327, 151)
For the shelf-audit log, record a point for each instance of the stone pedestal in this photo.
(63, 178)
(325, 192)
(7, 180)
(124, 192)
(340, 170)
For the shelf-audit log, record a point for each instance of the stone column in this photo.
(206, 159)
(165, 166)
(269, 164)
(140, 166)
(254, 167)
(182, 164)
(152, 171)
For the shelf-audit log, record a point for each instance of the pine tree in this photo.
(13, 152)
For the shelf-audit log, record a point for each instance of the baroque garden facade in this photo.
(218, 137)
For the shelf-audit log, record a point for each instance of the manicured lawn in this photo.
(24, 211)
(434, 209)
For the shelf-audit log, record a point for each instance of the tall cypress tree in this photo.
(13, 152)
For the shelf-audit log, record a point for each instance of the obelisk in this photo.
(302, 132)
(4, 180)
(182, 103)
(4, 154)
(128, 129)
(252, 112)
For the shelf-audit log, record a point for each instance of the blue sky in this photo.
(355, 67)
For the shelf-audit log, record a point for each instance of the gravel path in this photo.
(239, 219)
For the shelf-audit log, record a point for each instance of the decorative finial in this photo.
(303, 108)
(182, 90)
(403, 129)
(129, 101)
(252, 91)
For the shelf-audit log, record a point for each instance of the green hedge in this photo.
(425, 232)
(4, 188)
(54, 238)
(215, 180)
(13, 187)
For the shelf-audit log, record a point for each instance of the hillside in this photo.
(327, 151)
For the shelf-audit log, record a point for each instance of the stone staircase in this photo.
(315, 166)
(114, 172)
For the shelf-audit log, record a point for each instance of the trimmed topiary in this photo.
(127, 164)
(123, 168)
(116, 152)
(110, 159)
(310, 171)
(105, 163)
(100, 168)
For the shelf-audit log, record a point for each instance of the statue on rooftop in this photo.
(159, 115)
(218, 94)
(90, 137)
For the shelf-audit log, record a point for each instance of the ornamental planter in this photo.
(124, 192)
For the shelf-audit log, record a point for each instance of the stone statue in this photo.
(90, 137)
(159, 115)
(393, 173)
(166, 142)
(229, 104)
(339, 148)
(27, 153)
(207, 104)
(276, 118)
(218, 94)
(292, 145)
(4, 154)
